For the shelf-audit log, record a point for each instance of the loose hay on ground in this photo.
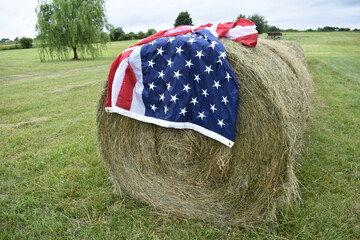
(193, 176)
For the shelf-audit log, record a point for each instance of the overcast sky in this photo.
(18, 18)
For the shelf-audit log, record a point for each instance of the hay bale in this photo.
(193, 176)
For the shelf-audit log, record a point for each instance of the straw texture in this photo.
(187, 174)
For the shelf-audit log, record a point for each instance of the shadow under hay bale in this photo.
(193, 176)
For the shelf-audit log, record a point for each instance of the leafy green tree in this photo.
(150, 32)
(116, 34)
(183, 19)
(65, 25)
(273, 29)
(241, 16)
(327, 29)
(291, 30)
(140, 35)
(129, 36)
(26, 42)
(260, 22)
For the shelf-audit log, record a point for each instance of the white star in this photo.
(224, 100)
(204, 92)
(194, 101)
(219, 61)
(208, 69)
(199, 54)
(201, 115)
(162, 97)
(168, 86)
(171, 39)
(213, 43)
(191, 40)
(183, 111)
(228, 76)
(161, 74)
(217, 84)
(152, 86)
(221, 123)
(222, 55)
(151, 63)
(169, 62)
(189, 63)
(197, 78)
(177, 74)
(213, 108)
(160, 51)
(153, 42)
(173, 98)
(179, 50)
(153, 107)
(165, 109)
(186, 88)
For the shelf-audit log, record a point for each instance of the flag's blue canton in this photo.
(187, 78)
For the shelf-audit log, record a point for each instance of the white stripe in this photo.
(179, 29)
(118, 80)
(240, 31)
(137, 104)
(212, 29)
(168, 124)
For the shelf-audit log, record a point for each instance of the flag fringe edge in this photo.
(169, 124)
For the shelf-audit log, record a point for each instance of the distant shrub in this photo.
(26, 42)
(10, 47)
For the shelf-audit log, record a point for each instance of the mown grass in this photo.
(53, 184)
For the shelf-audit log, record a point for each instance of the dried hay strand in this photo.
(187, 174)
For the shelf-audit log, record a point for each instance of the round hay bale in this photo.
(193, 176)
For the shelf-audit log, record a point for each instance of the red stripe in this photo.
(223, 28)
(126, 92)
(203, 26)
(111, 75)
(244, 22)
(248, 40)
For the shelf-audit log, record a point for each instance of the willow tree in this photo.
(66, 26)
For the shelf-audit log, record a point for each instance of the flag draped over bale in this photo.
(186, 173)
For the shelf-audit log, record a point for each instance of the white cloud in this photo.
(17, 18)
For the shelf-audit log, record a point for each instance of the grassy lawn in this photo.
(53, 184)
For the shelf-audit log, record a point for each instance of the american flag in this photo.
(181, 79)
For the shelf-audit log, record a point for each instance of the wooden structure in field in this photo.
(274, 35)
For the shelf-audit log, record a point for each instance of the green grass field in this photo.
(53, 184)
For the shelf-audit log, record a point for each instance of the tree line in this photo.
(77, 27)
(18, 43)
(184, 18)
(118, 34)
(262, 26)
(332, 29)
